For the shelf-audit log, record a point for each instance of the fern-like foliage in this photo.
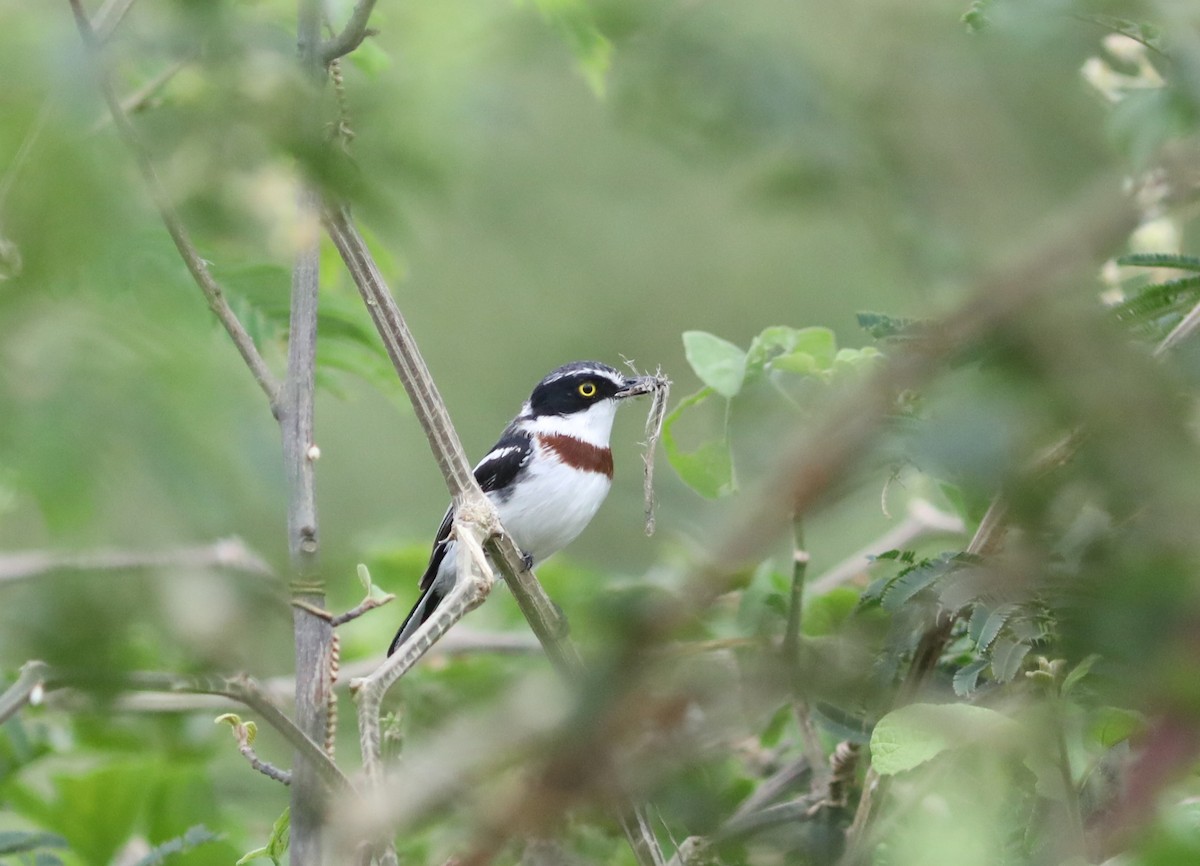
(993, 637)
(1150, 311)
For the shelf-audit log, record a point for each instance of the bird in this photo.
(547, 475)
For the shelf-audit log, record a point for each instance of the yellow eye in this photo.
(587, 389)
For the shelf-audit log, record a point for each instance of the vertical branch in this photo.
(791, 637)
(312, 635)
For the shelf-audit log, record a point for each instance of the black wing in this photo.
(493, 473)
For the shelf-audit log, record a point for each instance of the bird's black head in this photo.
(576, 387)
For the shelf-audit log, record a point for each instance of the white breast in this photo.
(552, 505)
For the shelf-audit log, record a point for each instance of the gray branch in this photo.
(351, 36)
(231, 553)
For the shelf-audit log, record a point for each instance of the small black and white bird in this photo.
(547, 476)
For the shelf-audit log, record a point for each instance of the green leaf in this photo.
(719, 363)
(364, 577)
(985, 623)
(94, 812)
(912, 580)
(820, 343)
(1160, 260)
(575, 24)
(371, 58)
(276, 846)
(709, 468)
(1007, 656)
(769, 344)
(967, 678)
(194, 837)
(1077, 673)
(1159, 301)
(793, 350)
(826, 613)
(256, 854)
(912, 735)
(779, 722)
(1112, 725)
(800, 363)
(20, 841)
(884, 327)
(975, 18)
(853, 360)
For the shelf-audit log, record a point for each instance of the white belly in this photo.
(551, 506)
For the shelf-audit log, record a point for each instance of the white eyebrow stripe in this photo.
(587, 371)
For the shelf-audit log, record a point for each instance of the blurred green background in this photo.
(693, 166)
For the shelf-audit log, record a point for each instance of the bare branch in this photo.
(367, 604)
(351, 36)
(241, 689)
(231, 553)
(197, 267)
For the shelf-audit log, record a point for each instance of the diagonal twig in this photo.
(197, 267)
(543, 616)
(231, 553)
(27, 689)
(243, 733)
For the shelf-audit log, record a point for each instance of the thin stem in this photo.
(791, 635)
(30, 682)
(793, 661)
(213, 293)
(231, 553)
(1070, 791)
(241, 733)
(241, 688)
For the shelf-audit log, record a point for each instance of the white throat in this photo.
(593, 425)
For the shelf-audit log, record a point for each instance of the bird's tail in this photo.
(422, 610)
